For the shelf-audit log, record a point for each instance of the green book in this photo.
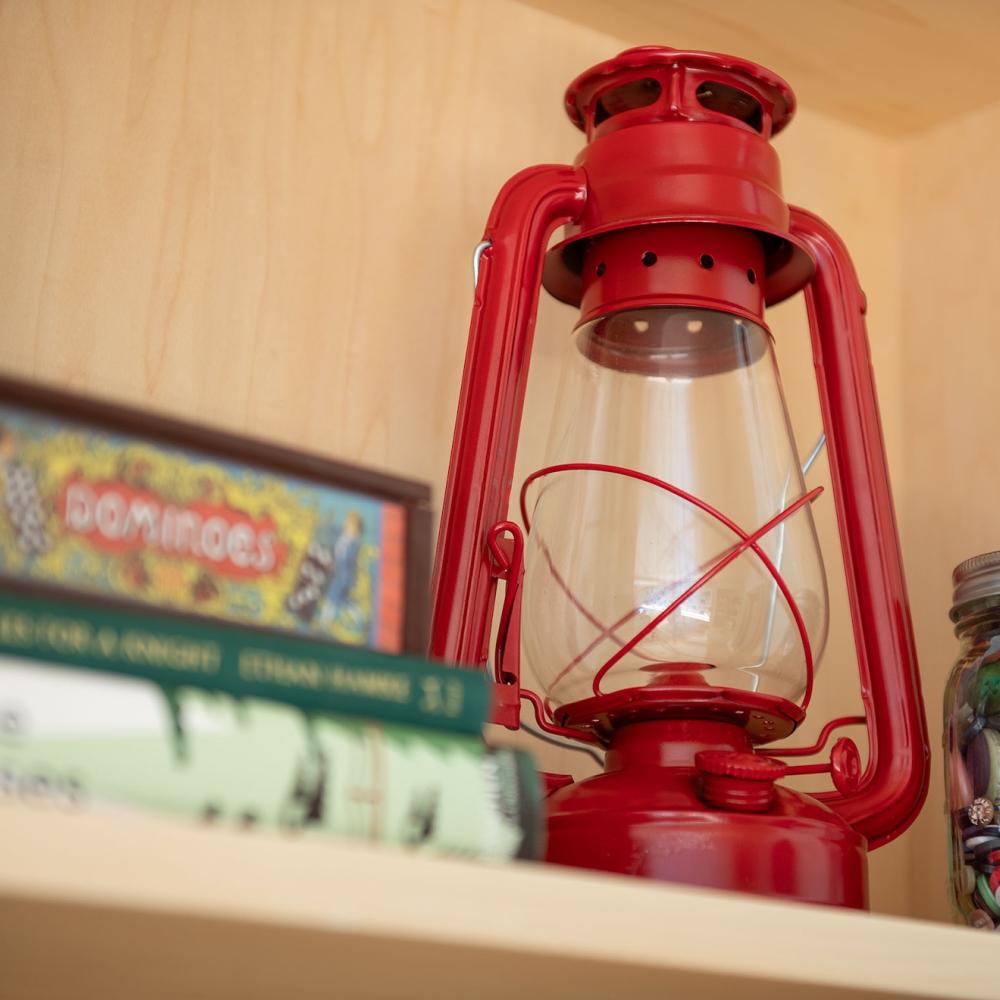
(180, 654)
(74, 739)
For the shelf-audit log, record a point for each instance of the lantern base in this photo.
(646, 816)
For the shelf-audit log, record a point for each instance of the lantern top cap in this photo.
(660, 63)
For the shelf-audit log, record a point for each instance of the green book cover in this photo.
(75, 739)
(181, 654)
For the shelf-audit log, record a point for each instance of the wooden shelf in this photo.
(109, 906)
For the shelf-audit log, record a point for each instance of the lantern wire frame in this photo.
(552, 734)
(748, 541)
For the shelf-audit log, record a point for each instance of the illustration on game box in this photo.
(126, 517)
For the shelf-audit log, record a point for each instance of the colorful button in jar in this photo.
(972, 743)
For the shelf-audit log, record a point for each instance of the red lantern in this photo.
(667, 584)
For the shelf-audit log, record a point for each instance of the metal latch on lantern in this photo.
(505, 543)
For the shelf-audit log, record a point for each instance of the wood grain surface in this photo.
(259, 215)
(118, 907)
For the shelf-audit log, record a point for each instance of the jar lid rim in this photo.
(975, 578)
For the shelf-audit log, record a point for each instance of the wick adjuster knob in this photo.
(740, 781)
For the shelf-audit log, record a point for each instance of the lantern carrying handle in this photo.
(894, 784)
(508, 270)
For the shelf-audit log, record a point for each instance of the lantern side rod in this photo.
(806, 465)
(564, 743)
(817, 450)
(895, 781)
(821, 740)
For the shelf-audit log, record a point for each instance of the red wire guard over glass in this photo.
(747, 541)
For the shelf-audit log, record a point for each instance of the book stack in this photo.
(103, 706)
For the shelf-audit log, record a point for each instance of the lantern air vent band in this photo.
(693, 265)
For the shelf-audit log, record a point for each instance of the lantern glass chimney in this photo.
(691, 398)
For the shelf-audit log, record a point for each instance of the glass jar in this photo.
(972, 742)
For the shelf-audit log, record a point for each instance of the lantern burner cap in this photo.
(658, 83)
(766, 718)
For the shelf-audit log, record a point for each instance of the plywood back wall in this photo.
(259, 215)
(951, 241)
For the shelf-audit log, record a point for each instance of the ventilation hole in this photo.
(726, 100)
(627, 97)
(707, 261)
(600, 269)
(648, 258)
(752, 276)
